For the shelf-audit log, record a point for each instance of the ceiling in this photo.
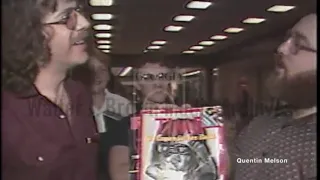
(136, 23)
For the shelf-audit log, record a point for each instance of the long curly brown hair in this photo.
(24, 45)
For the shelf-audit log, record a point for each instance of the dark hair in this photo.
(154, 58)
(25, 46)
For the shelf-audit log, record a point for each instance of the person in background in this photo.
(284, 147)
(110, 106)
(46, 118)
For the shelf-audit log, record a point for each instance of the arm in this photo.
(119, 151)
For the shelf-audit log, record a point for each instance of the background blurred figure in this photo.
(46, 116)
(283, 137)
(109, 108)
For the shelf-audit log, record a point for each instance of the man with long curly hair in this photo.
(46, 119)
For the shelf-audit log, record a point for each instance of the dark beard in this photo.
(300, 91)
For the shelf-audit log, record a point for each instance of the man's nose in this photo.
(284, 48)
(83, 23)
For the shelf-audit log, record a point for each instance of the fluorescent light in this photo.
(188, 52)
(173, 28)
(159, 42)
(233, 30)
(184, 18)
(215, 69)
(215, 74)
(101, 2)
(101, 16)
(106, 51)
(196, 47)
(104, 42)
(253, 20)
(206, 43)
(280, 8)
(125, 71)
(191, 73)
(104, 46)
(145, 51)
(154, 47)
(102, 27)
(219, 37)
(103, 35)
(198, 5)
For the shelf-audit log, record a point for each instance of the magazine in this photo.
(180, 144)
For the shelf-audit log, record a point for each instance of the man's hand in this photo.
(119, 163)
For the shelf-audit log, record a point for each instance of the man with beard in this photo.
(284, 147)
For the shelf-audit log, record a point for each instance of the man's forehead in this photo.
(307, 27)
(153, 68)
(64, 4)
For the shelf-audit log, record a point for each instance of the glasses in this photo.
(157, 77)
(297, 42)
(70, 19)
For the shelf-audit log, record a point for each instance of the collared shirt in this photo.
(277, 147)
(115, 107)
(38, 143)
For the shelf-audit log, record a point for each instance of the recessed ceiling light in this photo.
(280, 8)
(101, 16)
(184, 18)
(159, 42)
(104, 42)
(219, 37)
(125, 71)
(101, 2)
(145, 51)
(196, 47)
(188, 52)
(233, 30)
(173, 28)
(206, 43)
(103, 35)
(191, 73)
(154, 47)
(102, 27)
(215, 69)
(104, 46)
(253, 20)
(198, 5)
(106, 51)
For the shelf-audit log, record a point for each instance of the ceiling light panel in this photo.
(196, 47)
(104, 42)
(159, 42)
(103, 35)
(188, 52)
(172, 28)
(125, 71)
(104, 46)
(253, 20)
(280, 8)
(102, 16)
(199, 5)
(105, 27)
(154, 47)
(206, 43)
(233, 30)
(101, 2)
(219, 37)
(106, 51)
(184, 18)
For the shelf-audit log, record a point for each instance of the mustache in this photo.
(81, 36)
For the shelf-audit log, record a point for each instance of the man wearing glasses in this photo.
(46, 117)
(284, 147)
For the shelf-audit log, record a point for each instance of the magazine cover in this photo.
(181, 144)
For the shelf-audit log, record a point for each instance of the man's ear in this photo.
(137, 85)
